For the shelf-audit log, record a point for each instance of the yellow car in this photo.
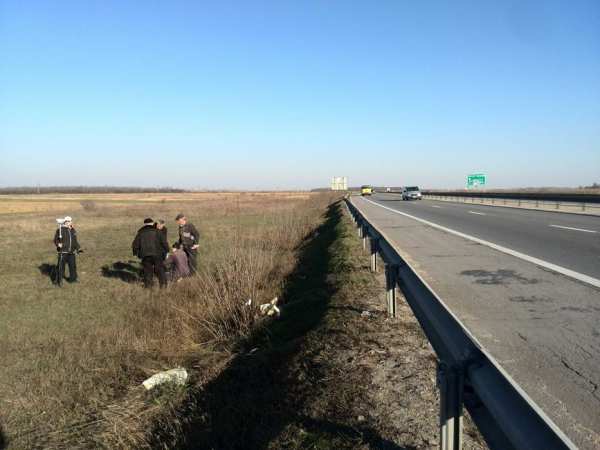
(366, 190)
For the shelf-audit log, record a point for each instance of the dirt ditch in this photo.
(334, 372)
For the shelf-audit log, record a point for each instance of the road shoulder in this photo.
(540, 326)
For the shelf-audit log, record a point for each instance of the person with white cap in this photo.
(67, 246)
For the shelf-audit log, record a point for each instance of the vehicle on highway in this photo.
(411, 193)
(366, 190)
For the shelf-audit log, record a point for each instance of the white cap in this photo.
(68, 219)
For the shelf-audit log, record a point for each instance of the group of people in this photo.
(150, 245)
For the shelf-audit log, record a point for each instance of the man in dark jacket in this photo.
(188, 239)
(67, 246)
(162, 228)
(149, 245)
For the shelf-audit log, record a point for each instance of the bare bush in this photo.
(100, 339)
(88, 205)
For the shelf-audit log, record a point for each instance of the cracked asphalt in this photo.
(542, 327)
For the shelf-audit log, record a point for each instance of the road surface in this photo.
(541, 326)
(568, 240)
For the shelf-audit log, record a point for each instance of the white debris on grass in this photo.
(270, 308)
(177, 376)
(366, 314)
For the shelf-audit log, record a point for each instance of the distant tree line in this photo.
(593, 186)
(87, 190)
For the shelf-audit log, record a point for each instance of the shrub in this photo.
(88, 205)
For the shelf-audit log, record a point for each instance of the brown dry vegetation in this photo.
(30, 203)
(73, 358)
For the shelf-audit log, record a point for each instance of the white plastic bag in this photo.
(178, 376)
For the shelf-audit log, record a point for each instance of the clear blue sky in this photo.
(285, 94)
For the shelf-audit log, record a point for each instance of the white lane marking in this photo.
(478, 213)
(493, 360)
(540, 262)
(435, 206)
(575, 229)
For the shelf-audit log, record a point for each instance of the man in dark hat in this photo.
(150, 245)
(188, 239)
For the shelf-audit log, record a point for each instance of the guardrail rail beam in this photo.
(468, 377)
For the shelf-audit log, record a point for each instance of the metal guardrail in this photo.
(467, 375)
(539, 196)
(583, 206)
(581, 202)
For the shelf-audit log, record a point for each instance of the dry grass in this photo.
(18, 204)
(73, 358)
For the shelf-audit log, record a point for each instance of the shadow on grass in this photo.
(253, 400)
(345, 432)
(3, 442)
(48, 270)
(129, 271)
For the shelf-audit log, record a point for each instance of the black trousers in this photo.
(154, 265)
(69, 259)
(192, 260)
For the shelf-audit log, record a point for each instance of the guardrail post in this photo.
(557, 205)
(352, 214)
(365, 236)
(359, 227)
(374, 248)
(391, 273)
(519, 202)
(450, 383)
(583, 206)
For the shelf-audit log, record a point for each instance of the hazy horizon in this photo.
(285, 95)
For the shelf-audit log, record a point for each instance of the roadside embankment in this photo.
(334, 372)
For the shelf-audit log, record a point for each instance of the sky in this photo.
(286, 94)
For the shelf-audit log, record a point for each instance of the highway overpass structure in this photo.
(524, 284)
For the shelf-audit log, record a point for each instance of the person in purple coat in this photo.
(177, 263)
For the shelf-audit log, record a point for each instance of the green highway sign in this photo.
(475, 180)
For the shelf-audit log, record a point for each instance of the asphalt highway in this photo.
(541, 325)
(568, 240)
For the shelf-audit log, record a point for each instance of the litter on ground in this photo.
(178, 376)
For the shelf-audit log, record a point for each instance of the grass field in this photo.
(73, 358)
